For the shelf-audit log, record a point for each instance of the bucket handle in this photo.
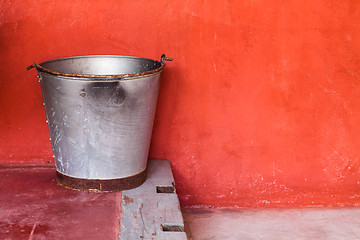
(31, 66)
(164, 58)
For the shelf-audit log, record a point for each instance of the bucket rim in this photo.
(99, 77)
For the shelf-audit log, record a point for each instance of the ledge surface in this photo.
(33, 206)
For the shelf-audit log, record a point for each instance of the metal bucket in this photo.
(100, 112)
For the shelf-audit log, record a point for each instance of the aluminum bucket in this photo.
(100, 113)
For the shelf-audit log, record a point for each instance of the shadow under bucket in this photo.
(100, 112)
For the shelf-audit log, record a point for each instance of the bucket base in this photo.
(98, 185)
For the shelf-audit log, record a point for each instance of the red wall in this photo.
(261, 106)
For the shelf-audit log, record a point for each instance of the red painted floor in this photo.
(33, 206)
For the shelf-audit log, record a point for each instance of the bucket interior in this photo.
(101, 65)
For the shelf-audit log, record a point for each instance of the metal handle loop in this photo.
(164, 58)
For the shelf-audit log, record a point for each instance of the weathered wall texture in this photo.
(261, 106)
